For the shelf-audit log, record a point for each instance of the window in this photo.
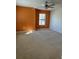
(42, 18)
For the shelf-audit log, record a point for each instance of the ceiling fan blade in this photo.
(52, 4)
(51, 7)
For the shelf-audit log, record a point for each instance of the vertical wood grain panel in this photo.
(25, 18)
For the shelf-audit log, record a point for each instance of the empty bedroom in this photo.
(38, 29)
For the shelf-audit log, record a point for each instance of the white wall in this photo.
(56, 19)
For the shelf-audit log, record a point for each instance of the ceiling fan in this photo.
(49, 4)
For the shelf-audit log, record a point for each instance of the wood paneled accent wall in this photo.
(47, 18)
(28, 18)
(25, 18)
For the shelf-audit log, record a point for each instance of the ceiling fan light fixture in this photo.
(49, 4)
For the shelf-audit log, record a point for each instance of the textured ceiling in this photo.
(35, 3)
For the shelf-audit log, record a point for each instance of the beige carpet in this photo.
(42, 44)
